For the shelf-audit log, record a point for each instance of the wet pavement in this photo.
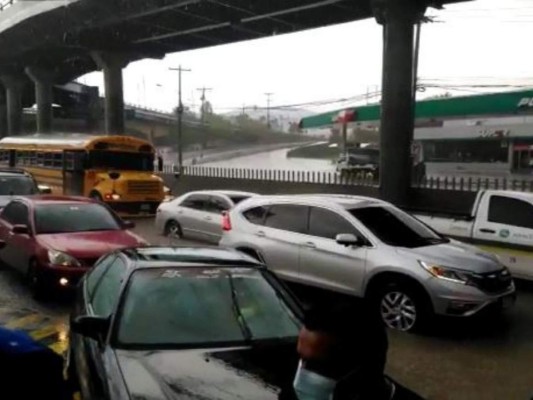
(485, 358)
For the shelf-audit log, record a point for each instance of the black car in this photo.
(183, 323)
(17, 182)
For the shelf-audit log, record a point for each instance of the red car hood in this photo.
(90, 244)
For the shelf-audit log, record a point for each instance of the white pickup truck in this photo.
(500, 222)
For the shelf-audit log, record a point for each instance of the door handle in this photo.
(260, 234)
(208, 218)
(310, 245)
(485, 230)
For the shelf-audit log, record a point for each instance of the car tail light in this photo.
(226, 221)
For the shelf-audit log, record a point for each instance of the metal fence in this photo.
(472, 184)
(4, 4)
(318, 177)
(455, 183)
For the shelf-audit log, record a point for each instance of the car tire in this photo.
(402, 306)
(36, 282)
(173, 230)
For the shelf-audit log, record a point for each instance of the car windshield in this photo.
(73, 217)
(202, 308)
(17, 185)
(121, 160)
(397, 228)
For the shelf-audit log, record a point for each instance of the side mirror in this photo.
(128, 224)
(348, 239)
(114, 175)
(92, 327)
(2, 244)
(20, 230)
(45, 189)
(160, 164)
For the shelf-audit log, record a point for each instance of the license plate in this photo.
(145, 207)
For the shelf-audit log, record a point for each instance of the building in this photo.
(486, 134)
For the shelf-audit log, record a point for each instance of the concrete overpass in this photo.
(57, 40)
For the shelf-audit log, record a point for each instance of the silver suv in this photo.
(369, 248)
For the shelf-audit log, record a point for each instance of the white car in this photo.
(197, 215)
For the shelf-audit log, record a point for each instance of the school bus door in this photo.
(74, 172)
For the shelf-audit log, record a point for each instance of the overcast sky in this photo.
(485, 41)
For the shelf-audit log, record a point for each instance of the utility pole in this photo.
(203, 111)
(180, 118)
(268, 95)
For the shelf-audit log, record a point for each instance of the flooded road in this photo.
(276, 159)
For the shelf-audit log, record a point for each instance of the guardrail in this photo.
(4, 4)
(469, 184)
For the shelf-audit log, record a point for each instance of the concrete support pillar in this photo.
(13, 83)
(398, 18)
(43, 81)
(3, 112)
(112, 66)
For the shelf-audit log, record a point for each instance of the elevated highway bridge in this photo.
(46, 42)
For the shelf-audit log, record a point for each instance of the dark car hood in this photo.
(90, 244)
(239, 373)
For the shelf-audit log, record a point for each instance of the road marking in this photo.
(49, 331)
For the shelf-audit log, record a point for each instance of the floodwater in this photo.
(277, 160)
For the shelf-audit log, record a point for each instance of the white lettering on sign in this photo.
(499, 133)
(526, 102)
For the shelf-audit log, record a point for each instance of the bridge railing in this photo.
(455, 183)
(4, 4)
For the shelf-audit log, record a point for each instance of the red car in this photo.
(54, 240)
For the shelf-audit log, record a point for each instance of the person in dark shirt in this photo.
(343, 352)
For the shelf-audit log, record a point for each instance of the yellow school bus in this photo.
(118, 170)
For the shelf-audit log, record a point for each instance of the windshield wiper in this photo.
(247, 333)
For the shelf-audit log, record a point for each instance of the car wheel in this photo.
(173, 230)
(402, 307)
(35, 281)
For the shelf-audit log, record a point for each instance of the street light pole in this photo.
(180, 117)
(268, 95)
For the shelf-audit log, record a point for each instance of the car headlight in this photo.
(448, 274)
(62, 259)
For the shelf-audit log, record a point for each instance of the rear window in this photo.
(288, 217)
(17, 186)
(238, 199)
(255, 215)
(82, 217)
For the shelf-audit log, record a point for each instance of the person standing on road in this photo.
(343, 352)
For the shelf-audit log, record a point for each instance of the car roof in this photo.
(342, 200)
(183, 257)
(51, 199)
(13, 172)
(228, 193)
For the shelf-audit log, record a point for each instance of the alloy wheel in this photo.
(398, 311)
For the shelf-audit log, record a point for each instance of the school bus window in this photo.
(121, 161)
